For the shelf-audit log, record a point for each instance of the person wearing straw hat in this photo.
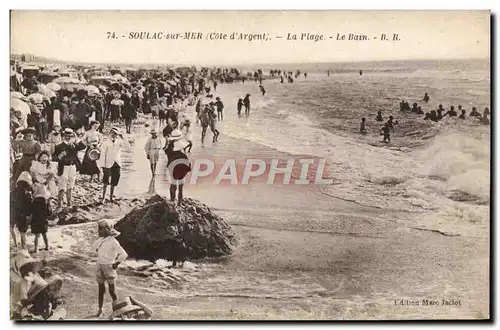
(66, 156)
(129, 308)
(23, 269)
(21, 199)
(43, 298)
(110, 160)
(177, 164)
(109, 256)
(152, 149)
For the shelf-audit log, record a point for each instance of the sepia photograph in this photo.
(179, 165)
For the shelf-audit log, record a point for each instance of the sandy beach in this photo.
(336, 260)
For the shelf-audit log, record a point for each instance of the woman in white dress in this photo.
(43, 173)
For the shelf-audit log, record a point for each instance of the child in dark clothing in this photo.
(40, 211)
(20, 207)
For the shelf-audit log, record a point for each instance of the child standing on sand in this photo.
(109, 255)
(40, 212)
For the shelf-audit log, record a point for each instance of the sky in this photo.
(81, 36)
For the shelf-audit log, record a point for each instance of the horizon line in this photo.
(48, 59)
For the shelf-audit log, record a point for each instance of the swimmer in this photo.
(474, 113)
(433, 115)
(379, 116)
(484, 119)
(391, 122)
(462, 116)
(451, 112)
(420, 111)
(439, 114)
(386, 131)
(426, 98)
(414, 109)
(362, 128)
(240, 106)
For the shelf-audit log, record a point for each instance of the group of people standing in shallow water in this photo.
(433, 115)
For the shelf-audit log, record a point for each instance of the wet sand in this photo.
(301, 255)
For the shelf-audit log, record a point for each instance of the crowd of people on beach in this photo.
(63, 127)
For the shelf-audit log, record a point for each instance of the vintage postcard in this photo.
(250, 165)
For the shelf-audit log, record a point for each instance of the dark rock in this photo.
(163, 230)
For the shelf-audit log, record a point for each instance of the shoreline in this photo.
(301, 254)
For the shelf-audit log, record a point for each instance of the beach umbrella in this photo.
(37, 97)
(46, 92)
(19, 105)
(67, 80)
(53, 86)
(92, 89)
(17, 95)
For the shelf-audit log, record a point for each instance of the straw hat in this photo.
(39, 284)
(26, 177)
(122, 306)
(24, 263)
(94, 154)
(28, 130)
(115, 130)
(69, 131)
(107, 228)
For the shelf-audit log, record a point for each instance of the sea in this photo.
(437, 171)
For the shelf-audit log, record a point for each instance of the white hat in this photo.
(116, 130)
(23, 258)
(180, 145)
(175, 135)
(124, 306)
(68, 131)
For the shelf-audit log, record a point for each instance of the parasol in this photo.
(67, 80)
(36, 97)
(53, 86)
(47, 92)
(19, 105)
(92, 89)
(17, 95)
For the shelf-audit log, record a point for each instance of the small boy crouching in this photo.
(109, 255)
